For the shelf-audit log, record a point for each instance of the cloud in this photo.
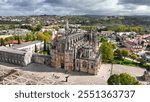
(135, 2)
(74, 7)
(99, 7)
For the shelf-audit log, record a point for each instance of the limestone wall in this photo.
(41, 59)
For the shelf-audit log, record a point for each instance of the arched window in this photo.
(92, 65)
(78, 63)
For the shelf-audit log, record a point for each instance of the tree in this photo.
(125, 53)
(19, 42)
(114, 46)
(122, 79)
(134, 57)
(36, 50)
(27, 37)
(103, 39)
(127, 29)
(45, 45)
(107, 52)
(36, 28)
(2, 42)
(114, 80)
(56, 27)
(126, 79)
(142, 62)
(48, 50)
(44, 36)
(118, 54)
(34, 37)
(7, 39)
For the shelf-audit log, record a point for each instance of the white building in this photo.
(30, 46)
(14, 56)
(126, 33)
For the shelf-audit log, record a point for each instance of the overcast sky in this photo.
(74, 7)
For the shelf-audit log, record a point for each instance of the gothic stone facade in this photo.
(76, 50)
(41, 59)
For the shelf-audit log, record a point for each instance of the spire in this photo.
(67, 33)
(67, 24)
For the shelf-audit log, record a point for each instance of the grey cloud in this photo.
(22, 5)
(76, 6)
(135, 2)
(65, 7)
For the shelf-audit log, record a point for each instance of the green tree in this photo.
(36, 28)
(44, 36)
(134, 57)
(45, 45)
(34, 37)
(103, 39)
(40, 36)
(122, 79)
(27, 37)
(2, 42)
(127, 29)
(114, 46)
(142, 62)
(125, 53)
(48, 50)
(126, 79)
(15, 37)
(36, 50)
(114, 80)
(107, 52)
(7, 39)
(118, 54)
(19, 42)
(56, 27)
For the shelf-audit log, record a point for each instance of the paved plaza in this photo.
(36, 74)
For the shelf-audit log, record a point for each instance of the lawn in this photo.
(130, 63)
(43, 52)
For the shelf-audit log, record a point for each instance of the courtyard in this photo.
(36, 74)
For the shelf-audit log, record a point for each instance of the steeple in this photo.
(66, 34)
(67, 24)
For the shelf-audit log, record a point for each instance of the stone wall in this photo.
(69, 64)
(88, 66)
(41, 59)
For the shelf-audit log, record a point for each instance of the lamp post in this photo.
(111, 71)
(74, 56)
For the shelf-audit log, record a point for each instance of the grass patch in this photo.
(130, 63)
(125, 62)
(145, 65)
(43, 52)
